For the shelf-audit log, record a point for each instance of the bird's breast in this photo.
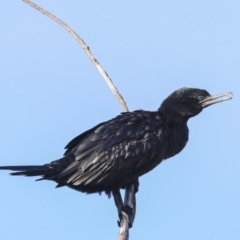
(177, 138)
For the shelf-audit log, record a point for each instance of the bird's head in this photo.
(188, 102)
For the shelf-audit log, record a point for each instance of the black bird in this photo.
(116, 152)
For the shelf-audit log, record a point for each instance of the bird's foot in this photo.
(127, 215)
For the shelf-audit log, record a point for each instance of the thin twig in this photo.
(87, 51)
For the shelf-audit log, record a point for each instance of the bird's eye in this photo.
(200, 98)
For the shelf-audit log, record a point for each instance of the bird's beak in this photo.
(208, 101)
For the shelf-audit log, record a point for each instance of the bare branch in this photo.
(124, 229)
(87, 51)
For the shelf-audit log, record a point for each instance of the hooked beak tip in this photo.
(210, 100)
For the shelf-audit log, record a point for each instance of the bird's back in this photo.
(115, 152)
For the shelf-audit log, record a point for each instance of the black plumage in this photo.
(115, 152)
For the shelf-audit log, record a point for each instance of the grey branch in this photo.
(87, 51)
(123, 232)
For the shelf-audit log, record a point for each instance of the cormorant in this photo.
(114, 153)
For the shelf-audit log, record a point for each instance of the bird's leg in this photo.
(118, 202)
(129, 207)
(126, 211)
(123, 223)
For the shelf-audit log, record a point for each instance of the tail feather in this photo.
(29, 170)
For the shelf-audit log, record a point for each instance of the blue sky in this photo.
(50, 93)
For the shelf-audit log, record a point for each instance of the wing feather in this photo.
(114, 151)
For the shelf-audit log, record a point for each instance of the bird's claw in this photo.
(127, 213)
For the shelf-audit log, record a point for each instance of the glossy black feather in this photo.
(118, 151)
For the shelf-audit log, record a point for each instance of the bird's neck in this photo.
(173, 116)
(176, 114)
(178, 134)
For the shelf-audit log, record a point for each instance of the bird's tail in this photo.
(30, 170)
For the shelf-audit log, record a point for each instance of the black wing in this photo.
(114, 152)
